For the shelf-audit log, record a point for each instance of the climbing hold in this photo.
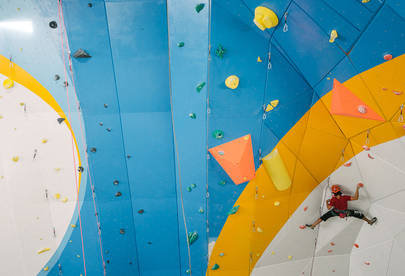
(222, 182)
(192, 115)
(220, 51)
(259, 59)
(57, 196)
(276, 203)
(81, 54)
(93, 149)
(367, 263)
(366, 148)
(188, 271)
(78, 256)
(369, 156)
(332, 244)
(290, 257)
(356, 245)
(215, 267)
(348, 164)
(118, 194)
(8, 83)
(108, 129)
(361, 185)
(189, 189)
(56, 77)
(46, 268)
(221, 254)
(141, 211)
(218, 134)
(265, 18)
(398, 93)
(221, 152)
(201, 210)
(53, 24)
(276, 169)
(273, 253)
(330, 250)
(80, 169)
(65, 199)
(333, 36)
(115, 182)
(73, 225)
(193, 186)
(305, 208)
(269, 107)
(345, 103)
(122, 231)
(192, 237)
(302, 226)
(199, 7)
(387, 56)
(44, 141)
(232, 82)
(233, 210)
(60, 120)
(149, 242)
(15, 158)
(105, 105)
(260, 230)
(200, 87)
(272, 105)
(89, 5)
(180, 44)
(43, 250)
(65, 84)
(365, 1)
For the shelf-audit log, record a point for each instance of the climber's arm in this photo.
(328, 204)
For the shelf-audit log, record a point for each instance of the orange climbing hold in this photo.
(236, 158)
(345, 103)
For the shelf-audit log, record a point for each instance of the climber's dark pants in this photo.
(342, 213)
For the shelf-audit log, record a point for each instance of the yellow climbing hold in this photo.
(259, 59)
(260, 230)
(57, 196)
(273, 253)
(333, 36)
(232, 82)
(43, 250)
(65, 199)
(78, 255)
(269, 107)
(276, 203)
(46, 268)
(22, 104)
(73, 225)
(365, 1)
(57, 169)
(15, 158)
(8, 83)
(265, 18)
(44, 141)
(290, 257)
(274, 103)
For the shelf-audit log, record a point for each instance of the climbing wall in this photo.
(174, 137)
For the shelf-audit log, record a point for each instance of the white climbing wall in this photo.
(343, 247)
(28, 125)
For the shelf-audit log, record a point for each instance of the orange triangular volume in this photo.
(344, 102)
(236, 158)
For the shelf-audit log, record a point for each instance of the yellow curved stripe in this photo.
(316, 146)
(19, 75)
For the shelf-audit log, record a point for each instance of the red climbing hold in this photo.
(387, 56)
(356, 245)
(302, 226)
(305, 208)
(369, 156)
(348, 164)
(367, 263)
(330, 251)
(236, 158)
(365, 147)
(361, 185)
(345, 103)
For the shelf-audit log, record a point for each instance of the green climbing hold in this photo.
(218, 134)
(222, 182)
(201, 210)
(220, 51)
(180, 44)
(188, 271)
(192, 115)
(215, 267)
(200, 86)
(192, 237)
(188, 189)
(233, 210)
(199, 7)
(193, 186)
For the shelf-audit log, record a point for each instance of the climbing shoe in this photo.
(373, 220)
(309, 226)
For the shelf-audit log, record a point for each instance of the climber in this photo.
(337, 206)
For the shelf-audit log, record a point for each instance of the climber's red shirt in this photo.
(340, 203)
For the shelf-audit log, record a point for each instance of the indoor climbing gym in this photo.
(202, 137)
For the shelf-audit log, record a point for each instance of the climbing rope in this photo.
(65, 45)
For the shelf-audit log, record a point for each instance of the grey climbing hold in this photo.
(122, 231)
(56, 77)
(180, 44)
(93, 149)
(65, 84)
(199, 7)
(118, 194)
(81, 54)
(149, 242)
(192, 237)
(115, 182)
(233, 210)
(53, 24)
(60, 120)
